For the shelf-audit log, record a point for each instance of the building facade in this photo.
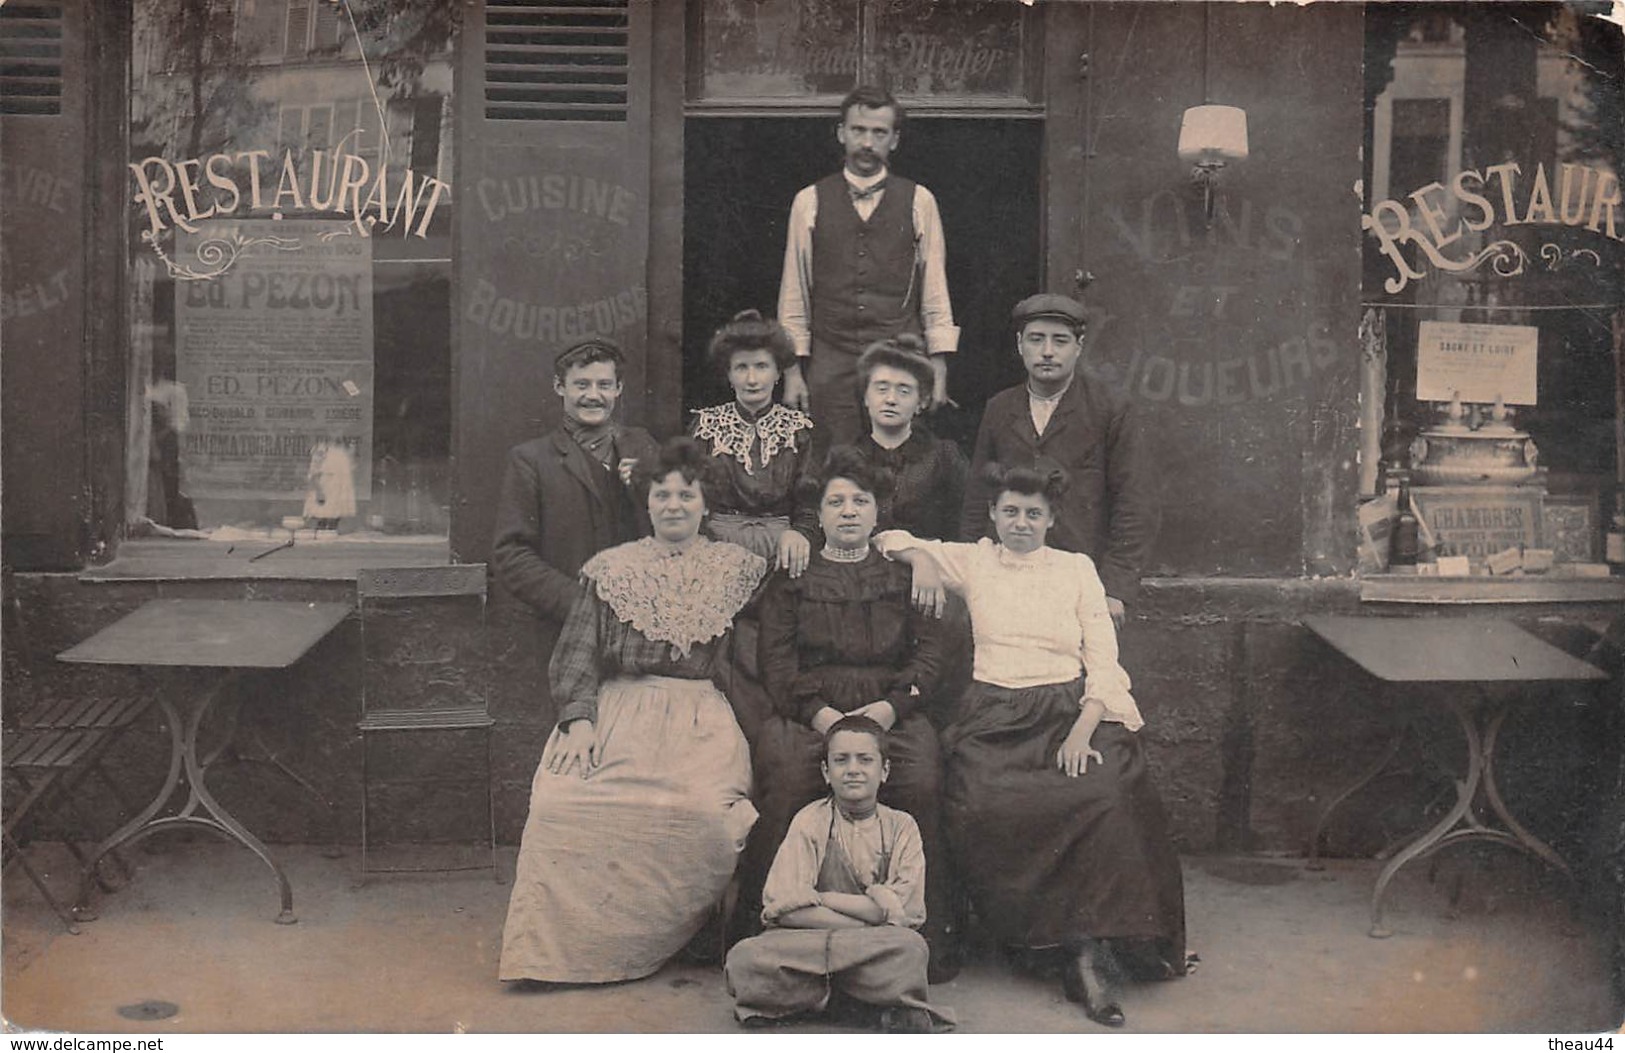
(247, 241)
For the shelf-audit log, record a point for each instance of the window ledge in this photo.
(175, 559)
(1412, 588)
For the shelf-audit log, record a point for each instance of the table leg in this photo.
(227, 749)
(1377, 767)
(1466, 789)
(185, 764)
(195, 777)
(130, 831)
(1492, 792)
(1480, 726)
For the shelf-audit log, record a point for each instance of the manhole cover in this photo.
(149, 1010)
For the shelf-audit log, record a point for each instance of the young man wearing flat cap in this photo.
(1070, 418)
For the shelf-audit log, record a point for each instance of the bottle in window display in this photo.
(1405, 542)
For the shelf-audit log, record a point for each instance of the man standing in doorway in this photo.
(1066, 416)
(864, 261)
(564, 495)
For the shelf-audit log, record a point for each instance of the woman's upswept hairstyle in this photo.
(1028, 482)
(906, 352)
(749, 331)
(847, 462)
(680, 454)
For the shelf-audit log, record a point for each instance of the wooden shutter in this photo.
(31, 58)
(552, 199)
(562, 61)
(44, 83)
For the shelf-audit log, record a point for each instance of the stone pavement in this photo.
(1488, 946)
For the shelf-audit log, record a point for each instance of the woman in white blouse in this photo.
(1058, 833)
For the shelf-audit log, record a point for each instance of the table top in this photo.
(219, 634)
(1451, 650)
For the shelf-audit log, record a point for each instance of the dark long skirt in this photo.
(1049, 859)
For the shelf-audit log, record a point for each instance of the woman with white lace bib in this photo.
(759, 446)
(641, 803)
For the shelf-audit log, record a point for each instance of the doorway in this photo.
(741, 173)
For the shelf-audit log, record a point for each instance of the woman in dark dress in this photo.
(928, 473)
(840, 639)
(1058, 833)
(759, 446)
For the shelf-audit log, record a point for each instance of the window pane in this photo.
(779, 48)
(965, 49)
(1495, 147)
(290, 273)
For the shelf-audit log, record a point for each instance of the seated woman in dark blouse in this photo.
(759, 446)
(842, 639)
(928, 473)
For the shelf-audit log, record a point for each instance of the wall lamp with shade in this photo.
(1210, 138)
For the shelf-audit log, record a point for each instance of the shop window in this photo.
(290, 271)
(976, 55)
(1494, 264)
(1421, 142)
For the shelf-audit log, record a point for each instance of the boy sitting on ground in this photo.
(842, 902)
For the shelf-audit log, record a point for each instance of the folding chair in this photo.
(51, 745)
(109, 715)
(424, 673)
(43, 767)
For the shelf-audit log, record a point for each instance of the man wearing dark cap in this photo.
(1070, 418)
(564, 496)
(863, 261)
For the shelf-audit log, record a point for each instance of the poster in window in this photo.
(275, 356)
(1476, 363)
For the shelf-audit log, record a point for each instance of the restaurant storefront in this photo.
(297, 270)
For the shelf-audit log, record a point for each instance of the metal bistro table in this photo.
(236, 636)
(1474, 654)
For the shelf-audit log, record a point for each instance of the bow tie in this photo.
(864, 193)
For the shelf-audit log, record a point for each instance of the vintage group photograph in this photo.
(812, 518)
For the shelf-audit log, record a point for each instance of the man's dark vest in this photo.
(864, 281)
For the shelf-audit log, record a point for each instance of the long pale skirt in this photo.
(618, 871)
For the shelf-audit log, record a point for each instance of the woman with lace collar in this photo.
(640, 805)
(760, 446)
(1058, 833)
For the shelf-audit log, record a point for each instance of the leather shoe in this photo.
(1082, 982)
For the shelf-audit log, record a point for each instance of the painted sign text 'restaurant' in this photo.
(184, 193)
(1583, 196)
